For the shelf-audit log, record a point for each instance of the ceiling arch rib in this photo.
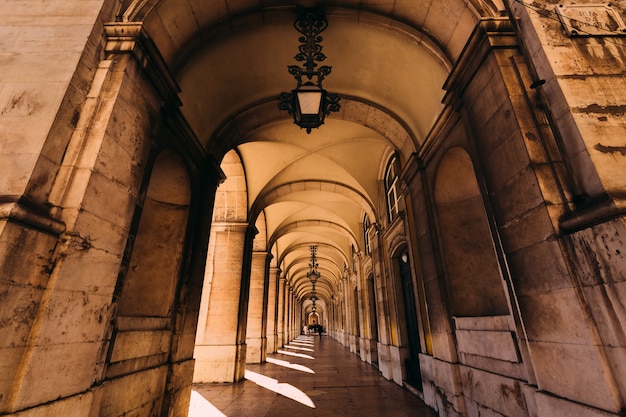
(302, 225)
(314, 234)
(290, 254)
(290, 191)
(248, 124)
(325, 287)
(327, 159)
(295, 260)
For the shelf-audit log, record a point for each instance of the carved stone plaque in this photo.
(591, 20)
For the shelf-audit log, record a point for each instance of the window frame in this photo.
(391, 188)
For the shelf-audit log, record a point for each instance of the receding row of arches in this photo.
(350, 293)
(160, 212)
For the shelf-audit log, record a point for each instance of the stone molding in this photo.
(131, 38)
(490, 33)
(28, 216)
(597, 212)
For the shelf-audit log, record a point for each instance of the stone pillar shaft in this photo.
(256, 332)
(272, 310)
(218, 349)
(280, 324)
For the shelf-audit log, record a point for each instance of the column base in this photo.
(223, 363)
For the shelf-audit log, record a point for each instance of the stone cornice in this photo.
(130, 38)
(489, 34)
(594, 213)
(37, 219)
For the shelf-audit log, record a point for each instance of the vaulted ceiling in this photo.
(389, 61)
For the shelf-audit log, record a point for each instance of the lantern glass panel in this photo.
(309, 101)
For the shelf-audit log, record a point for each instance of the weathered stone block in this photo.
(183, 346)
(397, 356)
(544, 256)
(384, 362)
(57, 371)
(517, 197)
(101, 278)
(215, 363)
(74, 317)
(10, 358)
(554, 316)
(101, 234)
(130, 345)
(490, 344)
(446, 376)
(20, 305)
(78, 405)
(558, 367)
(109, 200)
(551, 406)
(505, 161)
(444, 346)
(125, 394)
(494, 392)
(20, 165)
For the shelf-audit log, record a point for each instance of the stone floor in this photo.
(311, 377)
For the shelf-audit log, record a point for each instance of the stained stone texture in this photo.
(36, 77)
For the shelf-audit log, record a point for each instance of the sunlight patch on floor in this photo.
(290, 365)
(305, 344)
(299, 355)
(305, 339)
(281, 388)
(290, 346)
(201, 407)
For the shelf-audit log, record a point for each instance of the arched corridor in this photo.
(174, 213)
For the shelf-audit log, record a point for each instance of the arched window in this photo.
(366, 236)
(391, 188)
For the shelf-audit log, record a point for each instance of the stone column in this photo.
(280, 324)
(287, 324)
(256, 333)
(289, 314)
(272, 310)
(218, 349)
(291, 306)
(295, 324)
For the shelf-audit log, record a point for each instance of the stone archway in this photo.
(220, 350)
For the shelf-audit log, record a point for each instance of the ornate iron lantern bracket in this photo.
(309, 103)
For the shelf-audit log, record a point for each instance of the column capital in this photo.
(131, 38)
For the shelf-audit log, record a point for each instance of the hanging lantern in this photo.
(309, 103)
